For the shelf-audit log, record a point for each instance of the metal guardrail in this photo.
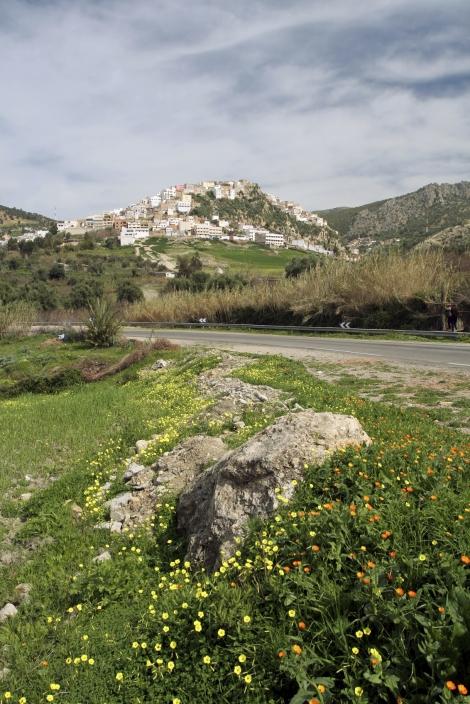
(282, 328)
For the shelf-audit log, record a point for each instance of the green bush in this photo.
(103, 324)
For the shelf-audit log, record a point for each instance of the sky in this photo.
(325, 102)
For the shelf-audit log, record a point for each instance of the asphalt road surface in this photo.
(451, 356)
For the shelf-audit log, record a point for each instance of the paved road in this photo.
(451, 356)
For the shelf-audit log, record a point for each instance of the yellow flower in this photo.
(359, 634)
(50, 698)
(83, 658)
(173, 644)
(242, 658)
(135, 645)
(291, 613)
(367, 631)
(54, 687)
(247, 679)
(91, 661)
(206, 660)
(171, 665)
(68, 661)
(119, 676)
(200, 614)
(355, 651)
(22, 700)
(175, 700)
(165, 616)
(7, 695)
(358, 691)
(246, 619)
(237, 670)
(422, 558)
(197, 626)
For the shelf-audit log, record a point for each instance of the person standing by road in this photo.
(452, 316)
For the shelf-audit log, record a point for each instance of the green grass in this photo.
(252, 259)
(298, 622)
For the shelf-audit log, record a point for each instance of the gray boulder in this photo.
(118, 506)
(133, 469)
(8, 611)
(178, 468)
(216, 507)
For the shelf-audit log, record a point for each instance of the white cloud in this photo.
(327, 103)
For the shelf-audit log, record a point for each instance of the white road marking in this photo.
(458, 364)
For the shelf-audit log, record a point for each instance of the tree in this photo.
(129, 292)
(53, 228)
(299, 265)
(57, 271)
(188, 264)
(83, 292)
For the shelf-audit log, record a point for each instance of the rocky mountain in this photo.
(413, 217)
(455, 239)
(15, 220)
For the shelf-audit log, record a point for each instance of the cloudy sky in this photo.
(334, 102)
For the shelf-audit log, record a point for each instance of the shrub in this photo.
(128, 292)
(104, 323)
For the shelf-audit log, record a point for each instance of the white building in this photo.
(217, 190)
(133, 232)
(156, 200)
(270, 239)
(66, 225)
(168, 193)
(207, 229)
(183, 207)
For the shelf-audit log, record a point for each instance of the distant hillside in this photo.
(15, 220)
(412, 217)
(254, 207)
(455, 239)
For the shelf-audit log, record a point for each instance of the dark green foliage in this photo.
(84, 291)
(189, 264)
(57, 271)
(129, 292)
(103, 324)
(299, 265)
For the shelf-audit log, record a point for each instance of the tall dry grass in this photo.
(333, 289)
(16, 318)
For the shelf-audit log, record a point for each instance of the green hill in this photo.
(412, 217)
(15, 220)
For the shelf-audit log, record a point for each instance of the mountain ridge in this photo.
(412, 216)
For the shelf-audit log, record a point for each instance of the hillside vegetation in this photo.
(412, 217)
(381, 290)
(15, 220)
(356, 590)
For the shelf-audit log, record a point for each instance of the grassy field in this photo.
(251, 259)
(355, 591)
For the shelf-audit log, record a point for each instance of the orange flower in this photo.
(371, 565)
(359, 575)
(451, 685)
(307, 570)
(296, 649)
(465, 559)
(321, 688)
(462, 689)
(315, 548)
(411, 593)
(296, 563)
(314, 701)
(441, 610)
(365, 580)
(302, 625)
(286, 569)
(385, 534)
(399, 591)
(281, 654)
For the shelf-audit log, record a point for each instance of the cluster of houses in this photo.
(169, 213)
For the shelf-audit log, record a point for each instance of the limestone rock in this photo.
(141, 445)
(8, 611)
(119, 506)
(178, 468)
(76, 511)
(22, 593)
(4, 673)
(102, 557)
(133, 469)
(216, 507)
(159, 364)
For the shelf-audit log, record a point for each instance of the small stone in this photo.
(26, 496)
(115, 527)
(8, 611)
(261, 397)
(159, 364)
(102, 557)
(7, 558)
(141, 445)
(239, 424)
(22, 593)
(76, 511)
(118, 506)
(4, 672)
(105, 525)
(28, 478)
(132, 470)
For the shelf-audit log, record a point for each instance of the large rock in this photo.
(215, 509)
(178, 468)
(8, 611)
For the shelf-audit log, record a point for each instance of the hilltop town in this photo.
(176, 212)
